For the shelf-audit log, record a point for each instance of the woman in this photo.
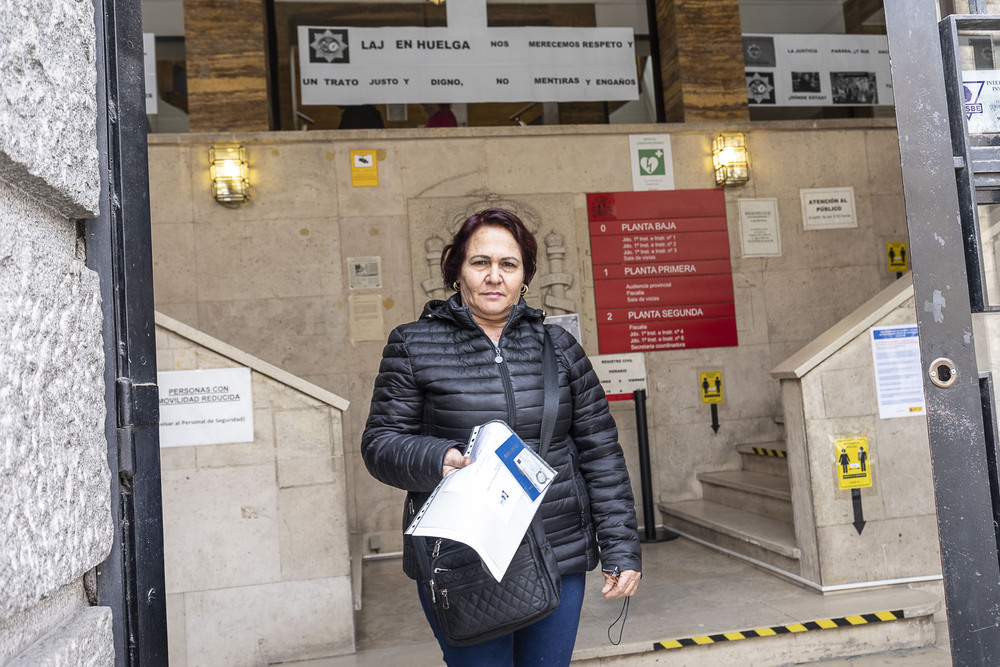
(478, 357)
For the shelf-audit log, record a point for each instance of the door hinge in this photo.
(138, 405)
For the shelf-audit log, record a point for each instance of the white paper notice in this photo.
(149, 70)
(828, 208)
(489, 503)
(620, 374)
(898, 377)
(205, 407)
(364, 272)
(365, 315)
(759, 226)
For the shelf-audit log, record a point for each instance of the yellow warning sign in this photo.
(711, 386)
(854, 463)
(364, 169)
(895, 252)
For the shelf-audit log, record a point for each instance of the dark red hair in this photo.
(454, 252)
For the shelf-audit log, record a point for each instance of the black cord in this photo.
(622, 616)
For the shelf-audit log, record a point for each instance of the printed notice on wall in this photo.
(366, 317)
(828, 208)
(652, 164)
(205, 407)
(898, 377)
(364, 169)
(149, 70)
(570, 322)
(759, 227)
(620, 374)
(364, 272)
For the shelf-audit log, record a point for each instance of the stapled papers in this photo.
(489, 503)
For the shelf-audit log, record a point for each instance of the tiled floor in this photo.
(687, 590)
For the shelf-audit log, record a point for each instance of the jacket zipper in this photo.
(508, 388)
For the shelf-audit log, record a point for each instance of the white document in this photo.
(898, 373)
(489, 503)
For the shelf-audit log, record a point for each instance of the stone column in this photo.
(226, 65)
(701, 59)
(55, 485)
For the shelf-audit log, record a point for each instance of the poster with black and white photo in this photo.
(340, 65)
(817, 70)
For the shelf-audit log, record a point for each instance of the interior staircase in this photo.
(746, 513)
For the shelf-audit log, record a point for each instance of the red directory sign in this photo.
(662, 275)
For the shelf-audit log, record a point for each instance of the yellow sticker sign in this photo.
(899, 261)
(853, 461)
(364, 169)
(711, 386)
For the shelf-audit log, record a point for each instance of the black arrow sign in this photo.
(859, 515)
(715, 417)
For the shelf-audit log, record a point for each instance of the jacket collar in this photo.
(453, 311)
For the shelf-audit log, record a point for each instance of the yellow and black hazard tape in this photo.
(826, 624)
(760, 451)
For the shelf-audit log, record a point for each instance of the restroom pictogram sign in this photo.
(853, 461)
(895, 252)
(710, 383)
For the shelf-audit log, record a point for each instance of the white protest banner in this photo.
(817, 70)
(205, 407)
(340, 65)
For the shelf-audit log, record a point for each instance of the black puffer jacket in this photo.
(440, 377)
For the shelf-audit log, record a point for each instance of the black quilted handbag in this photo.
(470, 606)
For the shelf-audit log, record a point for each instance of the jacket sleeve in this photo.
(394, 450)
(602, 464)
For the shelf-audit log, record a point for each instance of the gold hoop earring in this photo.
(455, 286)
(524, 290)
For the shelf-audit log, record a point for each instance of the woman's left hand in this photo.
(624, 585)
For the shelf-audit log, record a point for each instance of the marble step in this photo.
(763, 494)
(740, 533)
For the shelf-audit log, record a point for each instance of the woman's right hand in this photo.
(453, 460)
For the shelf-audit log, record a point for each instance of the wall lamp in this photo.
(229, 173)
(730, 157)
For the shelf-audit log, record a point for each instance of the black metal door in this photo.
(130, 581)
(951, 182)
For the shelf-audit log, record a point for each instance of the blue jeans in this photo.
(546, 642)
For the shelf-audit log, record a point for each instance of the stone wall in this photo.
(55, 518)
(828, 391)
(255, 534)
(271, 277)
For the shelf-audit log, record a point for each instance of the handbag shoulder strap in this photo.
(551, 403)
